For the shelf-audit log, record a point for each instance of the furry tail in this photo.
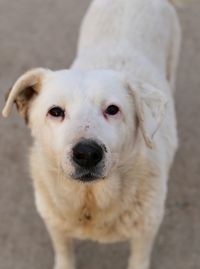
(179, 2)
(175, 2)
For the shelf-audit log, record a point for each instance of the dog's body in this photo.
(139, 40)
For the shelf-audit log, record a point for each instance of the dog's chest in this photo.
(90, 221)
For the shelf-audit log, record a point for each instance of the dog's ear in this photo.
(24, 91)
(150, 105)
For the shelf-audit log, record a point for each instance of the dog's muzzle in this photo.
(87, 158)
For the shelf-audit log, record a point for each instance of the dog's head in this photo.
(87, 123)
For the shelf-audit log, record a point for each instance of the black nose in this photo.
(87, 154)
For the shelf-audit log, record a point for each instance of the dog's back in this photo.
(130, 34)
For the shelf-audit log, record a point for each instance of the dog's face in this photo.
(86, 123)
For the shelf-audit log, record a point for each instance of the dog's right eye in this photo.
(56, 112)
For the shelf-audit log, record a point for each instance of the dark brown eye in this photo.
(112, 110)
(56, 112)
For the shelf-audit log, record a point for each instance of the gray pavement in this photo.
(44, 33)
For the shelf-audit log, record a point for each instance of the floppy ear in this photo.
(24, 91)
(150, 104)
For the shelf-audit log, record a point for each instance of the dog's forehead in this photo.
(74, 84)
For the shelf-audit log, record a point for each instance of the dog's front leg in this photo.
(63, 248)
(141, 248)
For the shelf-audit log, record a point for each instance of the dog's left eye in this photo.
(112, 110)
(56, 112)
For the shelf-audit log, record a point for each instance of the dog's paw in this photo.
(63, 264)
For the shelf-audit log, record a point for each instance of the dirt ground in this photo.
(44, 33)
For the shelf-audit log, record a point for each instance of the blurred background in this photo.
(44, 33)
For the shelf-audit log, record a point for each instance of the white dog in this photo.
(105, 130)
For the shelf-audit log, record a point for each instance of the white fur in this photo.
(128, 54)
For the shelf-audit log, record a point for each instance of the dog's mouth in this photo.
(87, 177)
